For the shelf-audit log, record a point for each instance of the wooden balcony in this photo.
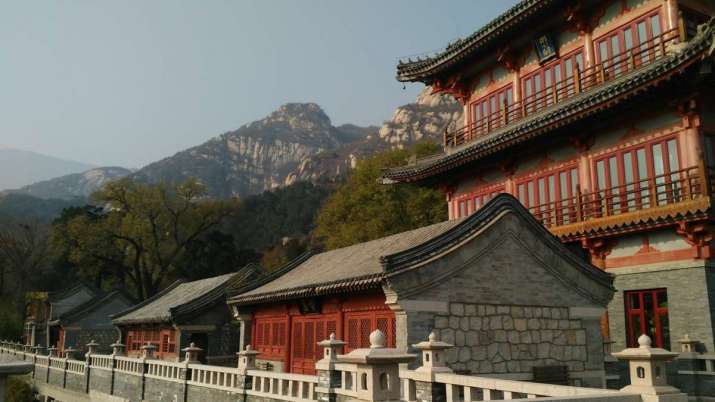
(684, 194)
(580, 81)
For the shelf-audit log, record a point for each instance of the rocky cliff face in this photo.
(256, 157)
(423, 120)
(73, 186)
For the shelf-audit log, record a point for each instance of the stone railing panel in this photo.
(129, 365)
(101, 362)
(283, 386)
(163, 370)
(220, 377)
(76, 366)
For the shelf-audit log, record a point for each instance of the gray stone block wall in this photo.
(128, 386)
(690, 303)
(163, 391)
(56, 377)
(198, 393)
(75, 382)
(100, 380)
(492, 339)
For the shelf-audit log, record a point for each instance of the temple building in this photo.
(90, 321)
(497, 284)
(599, 117)
(185, 313)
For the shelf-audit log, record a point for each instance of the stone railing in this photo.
(371, 375)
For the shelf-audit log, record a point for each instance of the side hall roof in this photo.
(366, 265)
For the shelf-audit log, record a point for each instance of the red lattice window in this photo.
(359, 325)
(270, 337)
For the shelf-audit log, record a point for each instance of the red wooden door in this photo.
(307, 332)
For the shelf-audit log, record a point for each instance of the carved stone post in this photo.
(422, 386)
(52, 351)
(377, 369)
(148, 351)
(69, 353)
(328, 377)
(191, 353)
(648, 374)
(91, 349)
(117, 348)
(246, 361)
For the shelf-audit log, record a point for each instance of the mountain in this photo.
(298, 142)
(77, 185)
(20, 168)
(423, 120)
(26, 209)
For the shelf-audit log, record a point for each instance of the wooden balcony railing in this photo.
(666, 189)
(580, 80)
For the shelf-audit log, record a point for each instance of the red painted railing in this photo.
(579, 81)
(671, 188)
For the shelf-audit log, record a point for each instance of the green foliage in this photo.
(263, 220)
(17, 389)
(141, 234)
(213, 254)
(280, 255)
(10, 322)
(362, 209)
(20, 208)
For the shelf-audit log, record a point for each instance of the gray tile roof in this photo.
(158, 309)
(368, 265)
(354, 265)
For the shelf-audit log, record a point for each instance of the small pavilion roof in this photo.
(366, 265)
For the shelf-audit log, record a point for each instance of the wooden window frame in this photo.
(632, 334)
(647, 146)
(620, 33)
(485, 108)
(535, 206)
(532, 102)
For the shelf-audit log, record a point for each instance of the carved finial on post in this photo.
(377, 339)
(52, 351)
(117, 348)
(433, 360)
(648, 374)
(687, 345)
(69, 352)
(247, 359)
(91, 348)
(192, 353)
(148, 351)
(331, 346)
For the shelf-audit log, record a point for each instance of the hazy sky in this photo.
(129, 82)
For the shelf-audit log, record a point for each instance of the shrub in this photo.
(17, 389)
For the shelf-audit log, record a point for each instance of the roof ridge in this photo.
(157, 296)
(475, 222)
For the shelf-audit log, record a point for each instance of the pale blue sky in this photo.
(129, 82)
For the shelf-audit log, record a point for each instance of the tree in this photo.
(142, 232)
(362, 209)
(24, 254)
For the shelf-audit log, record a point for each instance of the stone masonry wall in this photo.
(511, 339)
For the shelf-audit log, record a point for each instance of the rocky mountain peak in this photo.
(296, 116)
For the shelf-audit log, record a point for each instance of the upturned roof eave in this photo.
(573, 110)
(424, 70)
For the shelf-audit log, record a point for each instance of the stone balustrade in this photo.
(372, 374)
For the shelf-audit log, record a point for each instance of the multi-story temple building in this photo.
(599, 116)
